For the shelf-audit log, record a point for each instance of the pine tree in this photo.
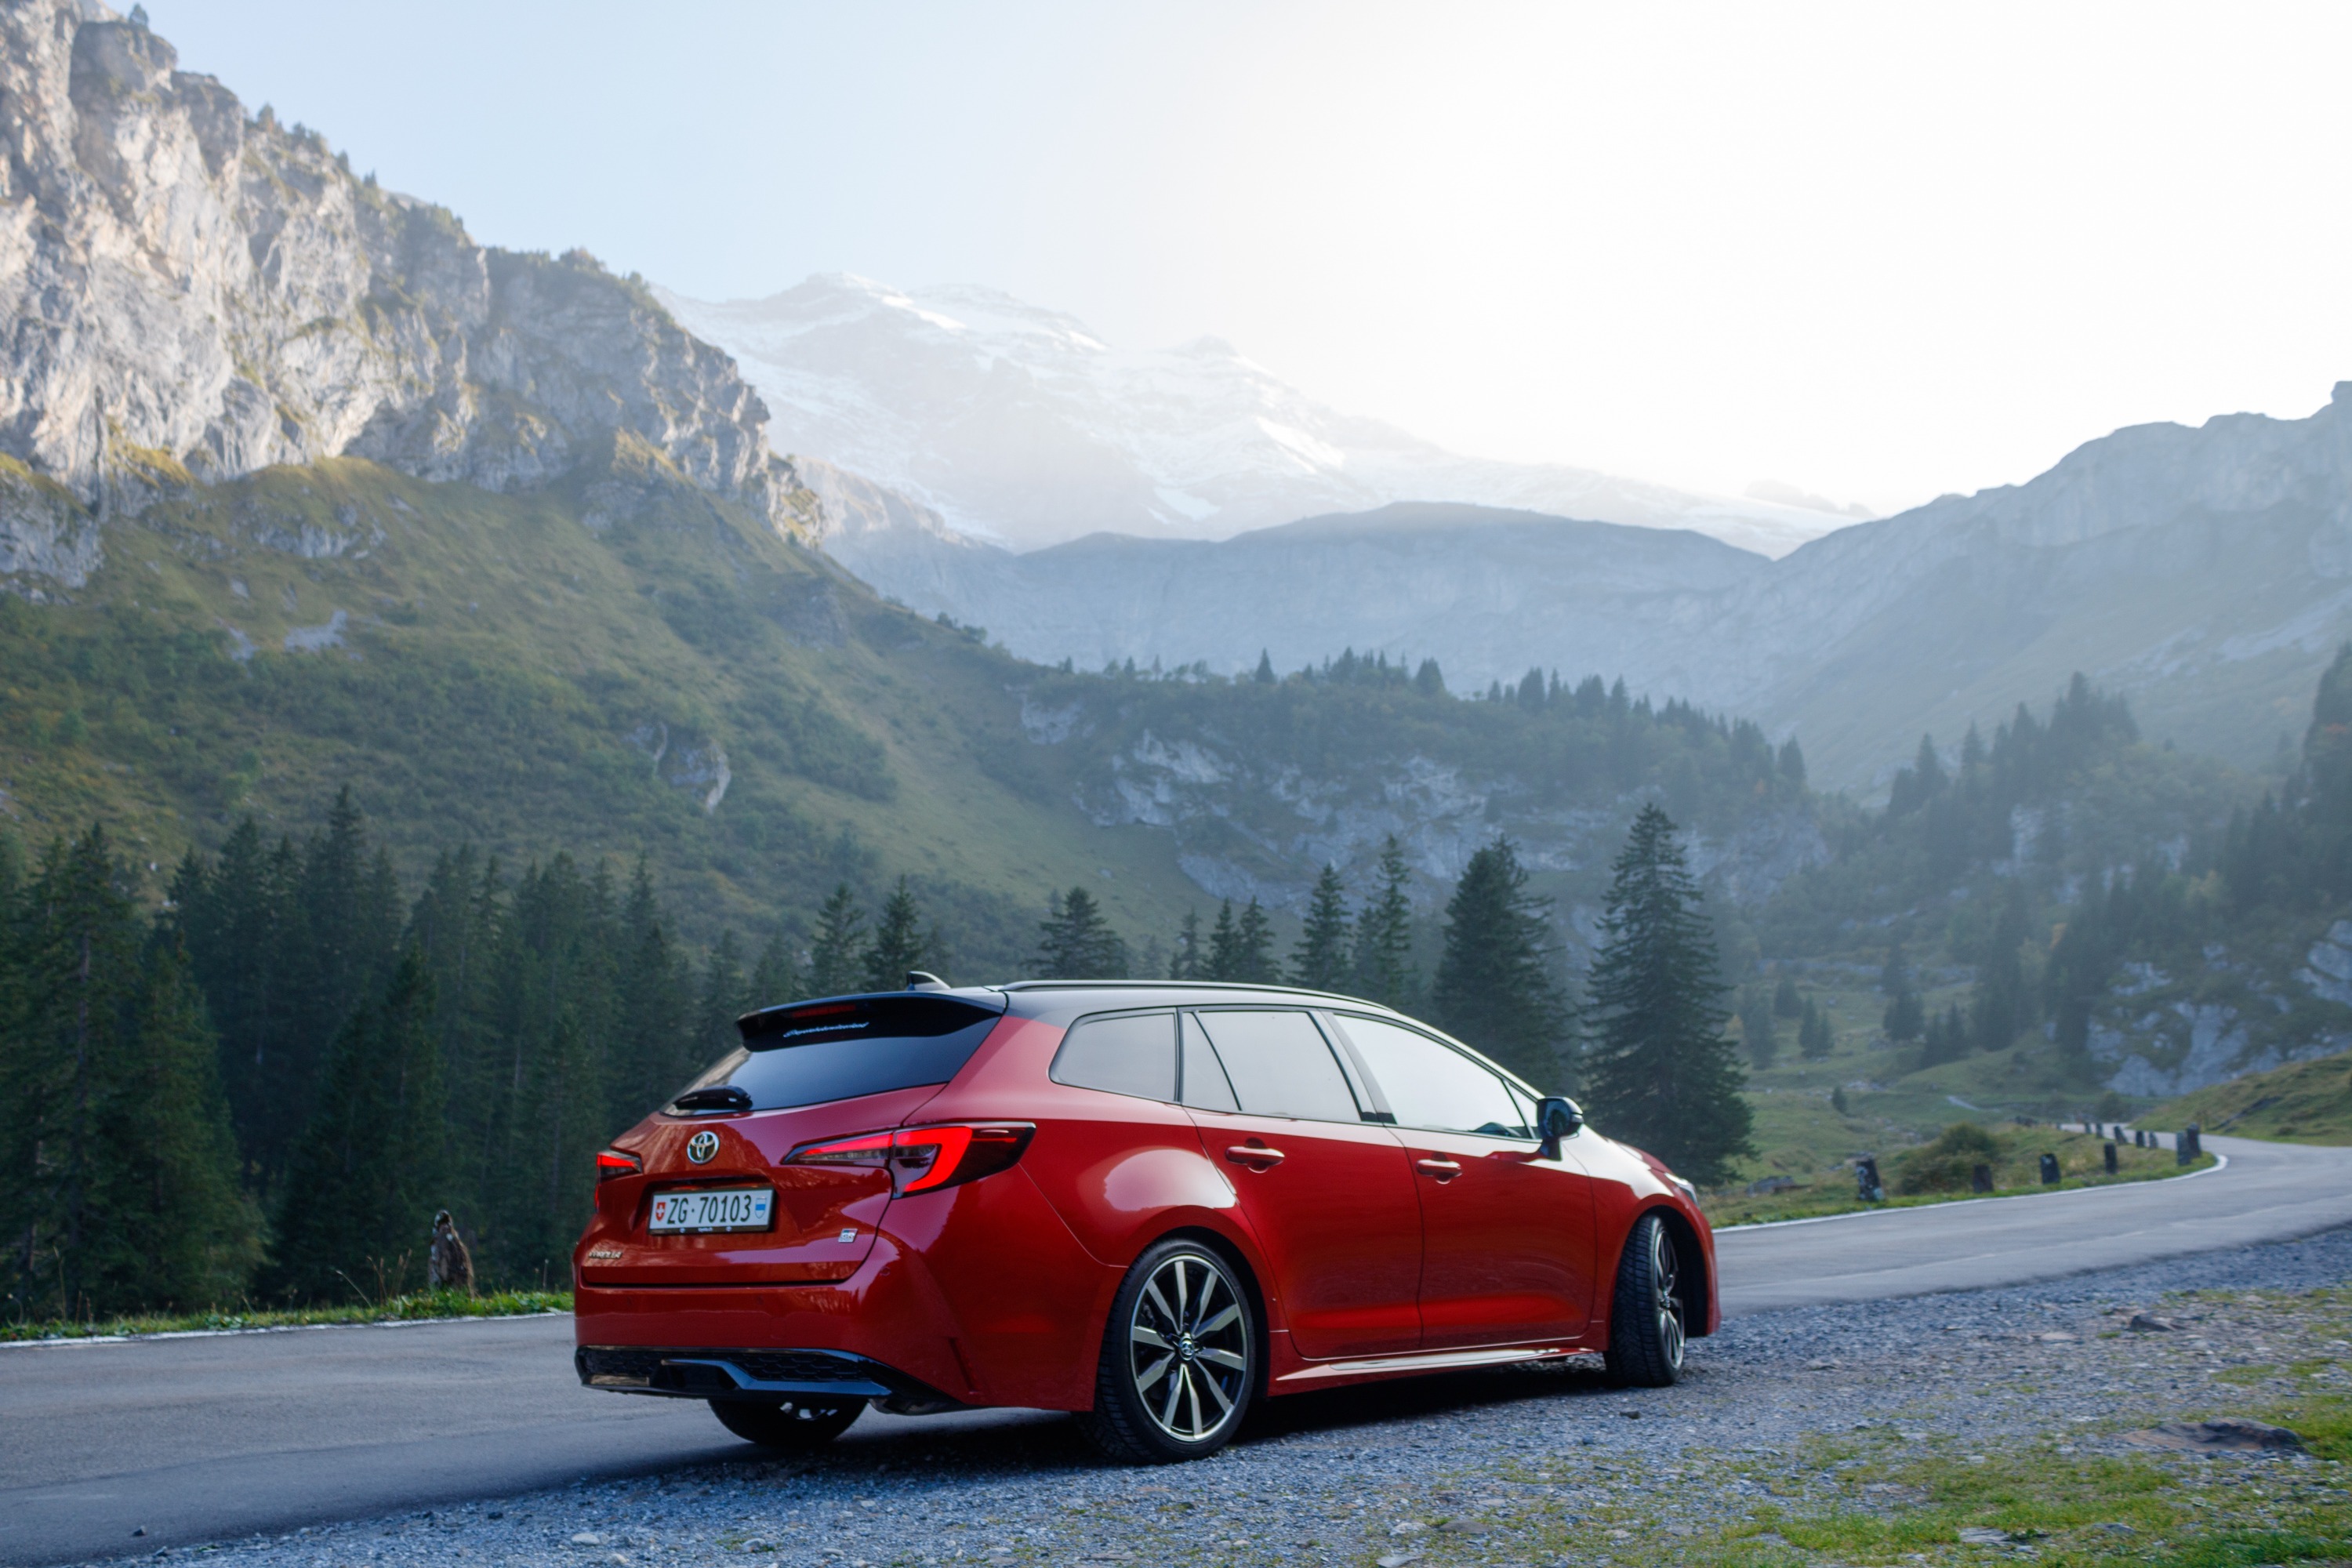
(1495, 989)
(69, 1017)
(1189, 961)
(655, 1051)
(170, 1226)
(2003, 1007)
(898, 946)
(234, 919)
(1383, 958)
(1906, 1017)
(1661, 1073)
(725, 998)
(1756, 1029)
(1814, 1040)
(1240, 949)
(1265, 676)
(1945, 1037)
(1787, 1001)
(117, 1174)
(836, 963)
(1221, 937)
(776, 978)
(1321, 960)
(1075, 942)
(1254, 961)
(368, 1173)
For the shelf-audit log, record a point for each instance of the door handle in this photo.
(1256, 1156)
(1444, 1169)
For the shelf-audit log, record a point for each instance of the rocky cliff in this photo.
(190, 291)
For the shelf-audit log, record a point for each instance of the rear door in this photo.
(1506, 1235)
(1328, 1192)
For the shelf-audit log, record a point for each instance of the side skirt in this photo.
(1323, 1374)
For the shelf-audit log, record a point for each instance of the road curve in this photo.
(215, 1438)
(2267, 1191)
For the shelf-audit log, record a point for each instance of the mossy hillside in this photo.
(526, 673)
(2302, 1102)
(1894, 1105)
(564, 669)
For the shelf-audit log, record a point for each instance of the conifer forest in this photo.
(261, 1086)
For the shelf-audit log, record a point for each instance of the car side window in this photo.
(1201, 1082)
(1280, 1065)
(1430, 1084)
(1127, 1053)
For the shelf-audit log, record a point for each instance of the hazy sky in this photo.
(1877, 251)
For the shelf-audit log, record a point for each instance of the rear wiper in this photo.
(723, 1097)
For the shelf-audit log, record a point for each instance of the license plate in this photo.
(709, 1208)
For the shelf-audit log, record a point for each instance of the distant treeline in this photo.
(270, 1085)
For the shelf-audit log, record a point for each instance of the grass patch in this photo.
(2302, 1102)
(417, 1306)
(2042, 1502)
(2015, 1158)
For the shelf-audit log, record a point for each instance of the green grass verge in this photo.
(419, 1307)
(2016, 1171)
(2303, 1103)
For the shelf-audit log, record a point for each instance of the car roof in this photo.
(1063, 1002)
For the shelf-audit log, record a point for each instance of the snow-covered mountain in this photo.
(1018, 426)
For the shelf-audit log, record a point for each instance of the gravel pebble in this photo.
(1481, 1468)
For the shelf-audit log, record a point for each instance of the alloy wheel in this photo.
(1665, 1269)
(1187, 1347)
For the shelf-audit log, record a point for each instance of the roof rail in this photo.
(1185, 985)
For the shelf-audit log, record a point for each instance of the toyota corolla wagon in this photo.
(1151, 1202)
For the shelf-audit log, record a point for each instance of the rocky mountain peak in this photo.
(190, 291)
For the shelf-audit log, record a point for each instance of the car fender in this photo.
(1627, 1184)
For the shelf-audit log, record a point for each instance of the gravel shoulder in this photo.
(1868, 1433)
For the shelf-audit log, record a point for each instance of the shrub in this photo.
(1946, 1164)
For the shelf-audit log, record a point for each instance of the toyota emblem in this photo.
(702, 1146)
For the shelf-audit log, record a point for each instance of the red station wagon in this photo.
(1151, 1201)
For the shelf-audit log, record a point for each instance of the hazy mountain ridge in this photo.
(2202, 573)
(193, 294)
(1016, 424)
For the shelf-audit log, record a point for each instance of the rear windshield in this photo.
(838, 1051)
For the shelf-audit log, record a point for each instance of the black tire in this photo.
(1647, 1322)
(794, 1426)
(1180, 1358)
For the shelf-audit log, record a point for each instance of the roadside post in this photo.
(2110, 1154)
(2050, 1172)
(1866, 1180)
(1980, 1179)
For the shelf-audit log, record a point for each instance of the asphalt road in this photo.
(215, 1438)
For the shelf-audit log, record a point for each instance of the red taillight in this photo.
(614, 1162)
(925, 1159)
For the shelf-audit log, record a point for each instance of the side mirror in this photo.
(1556, 1117)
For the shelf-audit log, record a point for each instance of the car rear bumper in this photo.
(703, 1372)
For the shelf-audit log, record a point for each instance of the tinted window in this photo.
(1280, 1065)
(1430, 1085)
(1205, 1084)
(1134, 1054)
(838, 1051)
